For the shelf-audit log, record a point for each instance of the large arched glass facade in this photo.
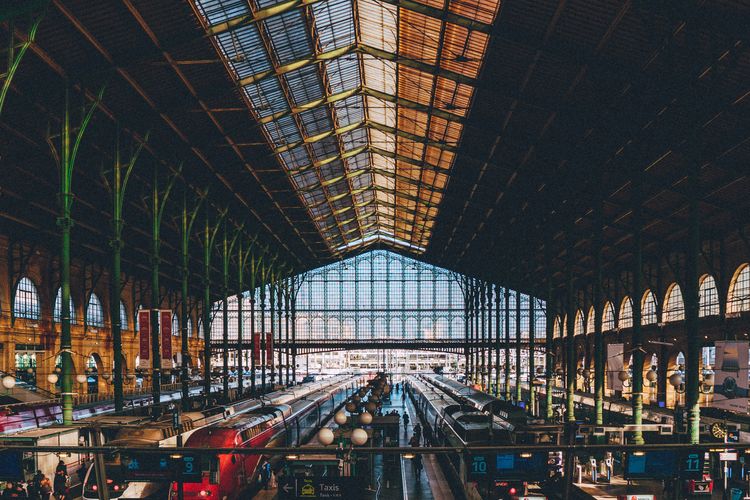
(380, 294)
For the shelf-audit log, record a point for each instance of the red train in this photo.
(233, 476)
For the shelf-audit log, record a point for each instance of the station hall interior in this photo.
(375, 249)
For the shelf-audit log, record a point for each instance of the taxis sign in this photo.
(316, 487)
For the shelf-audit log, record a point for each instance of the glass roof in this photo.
(362, 101)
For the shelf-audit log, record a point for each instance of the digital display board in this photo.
(149, 466)
(656, 464)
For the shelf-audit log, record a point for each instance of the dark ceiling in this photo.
(583, 108)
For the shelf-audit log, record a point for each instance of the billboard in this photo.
(615, 364)
(165, 327)
(144, 352)
(730, 375)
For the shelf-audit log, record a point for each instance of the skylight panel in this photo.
(380, 74)
(343, 73)
(325, 148)
(218, 11)
(295, 158)
(266, 97)
(304, 85)
(382, 140)
(349, 111)
(332, 170)
(289, 37)
(315, 121)
(354, 139)
(419, 36)
(243, 48)
(377, 25)
(380, 111)
(283, 131)
(334, 23)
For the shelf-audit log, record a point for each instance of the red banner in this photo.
(256, 348)
(269, 348)
(165, 324)
(144, 324)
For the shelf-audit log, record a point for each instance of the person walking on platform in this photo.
(406, 421)
(418, 431)
(417, 463)
(414, 441)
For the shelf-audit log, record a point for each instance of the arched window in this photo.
(124, 323)
(648, 308)
(556, 328)
(201, 333)
(739, 290)
(57, 309)
(578, 328)
(190, 327)
(626, 313)
(591, 321)
(26, 300)
(708, 297)
(94, 311)
(175, 325)
(674, 307)
(608, 318)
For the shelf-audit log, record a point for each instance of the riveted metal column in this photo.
(692, 287)
(118, 186)
(467, 364)
(225, 315)
(498, 332)
(287, 293)
(549, 359)
(263, 329)
(186, 225)
(570, 355)
(279, 326)
(507, 345)
(519, 394)
(488, 350)
(598, 315)
(272, 321)
(253, 286)
(241, 262)
(156, 211)
(67, 157)
(637, 337)
(209, 236)
(477, 331)
(293, 307)
(532, 327)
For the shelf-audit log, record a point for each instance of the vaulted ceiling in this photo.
(496, 139)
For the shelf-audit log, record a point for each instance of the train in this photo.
(164, 433)
(228, 477)
(458, 416)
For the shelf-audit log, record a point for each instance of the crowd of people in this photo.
(41, 487)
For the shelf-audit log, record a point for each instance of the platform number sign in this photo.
(692, 465)
(478, 465)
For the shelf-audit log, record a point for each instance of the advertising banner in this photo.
(165, 327)
(269, 348)
(144, 352)
(730, 375)
(615, 364)
(256, 348)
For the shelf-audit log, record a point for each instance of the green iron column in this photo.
(186, 224)
(67, 156)
(293, 307)
(263, 330)
(488, 351)
(467, 367)
(532, 328)
(692, 287)
(549, 340)
(225, 315)
(507, 344)
(483, 309)
(598, 316)
(498, 332)
(570, 354)
(253, 285)
(637, 337)
(287, 292)
(477, 332)
(272, 321)
(118, 186)
(519, 393)
(209, 235)
(242, 256)
(279, 327)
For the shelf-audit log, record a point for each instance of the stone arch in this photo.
(674, 306)
(738, 295)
